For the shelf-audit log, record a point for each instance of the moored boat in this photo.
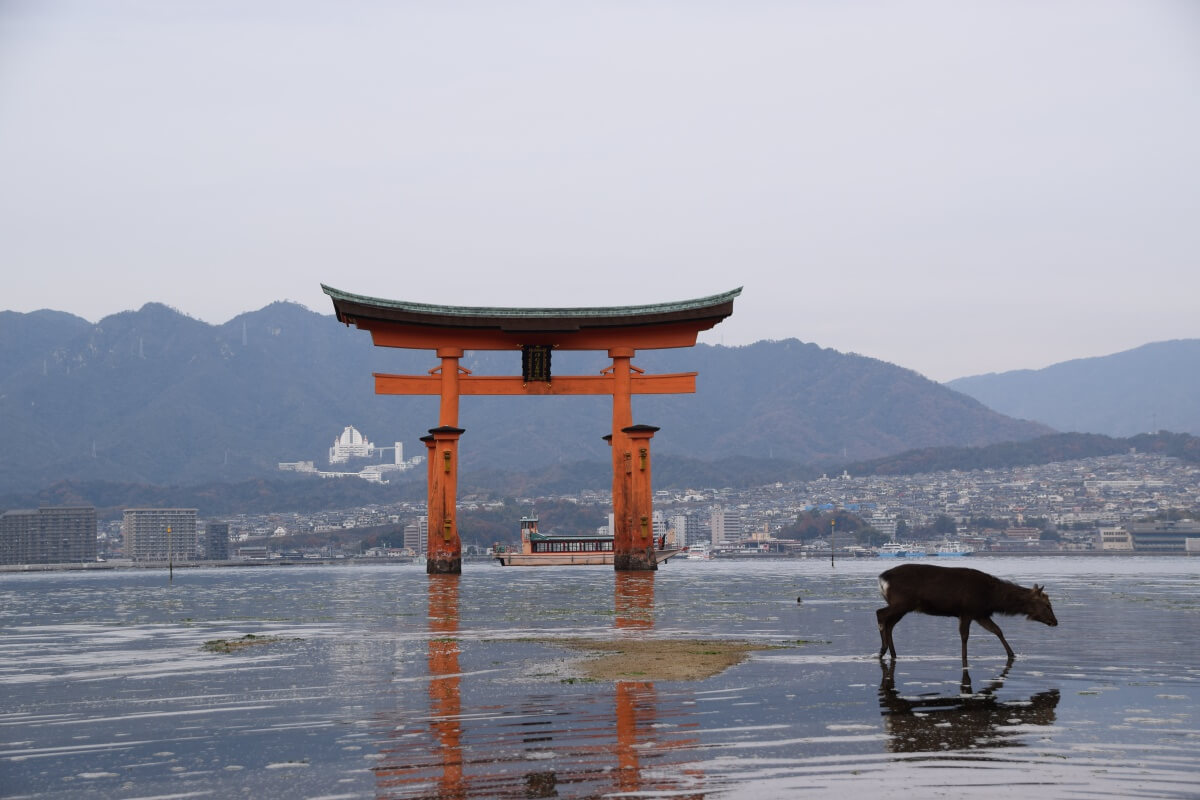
(951, 550)
(899, 550)
(540, 549)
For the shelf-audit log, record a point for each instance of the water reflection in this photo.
(445, 700)
(969, 720)
(633, 600)
(559, 741)
(407, 767)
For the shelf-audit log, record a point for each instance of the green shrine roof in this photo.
(356, 307)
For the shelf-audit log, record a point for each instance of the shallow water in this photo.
(390, 683)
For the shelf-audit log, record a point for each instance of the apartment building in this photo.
(160, 534)
(48, 535)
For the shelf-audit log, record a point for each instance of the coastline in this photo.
(394, 562)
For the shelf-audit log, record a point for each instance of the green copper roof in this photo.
(358, 307)
(652, 309)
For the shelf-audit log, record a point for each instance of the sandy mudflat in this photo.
(658, 659)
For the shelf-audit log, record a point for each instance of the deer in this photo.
(962, 592)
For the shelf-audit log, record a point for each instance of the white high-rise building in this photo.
(351, 444)
(680, 523)
(416, 536)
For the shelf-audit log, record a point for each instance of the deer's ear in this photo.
(1037, 589)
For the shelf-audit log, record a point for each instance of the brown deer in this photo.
(956, 592)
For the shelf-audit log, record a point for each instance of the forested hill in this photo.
(156, 397)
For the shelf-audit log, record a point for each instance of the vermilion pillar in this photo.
(448, 410)
(444, 554)
(622, 418)
(640, 499)
(430, 491)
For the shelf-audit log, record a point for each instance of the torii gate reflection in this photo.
(537, 332)
(485, 768)
(634, 604)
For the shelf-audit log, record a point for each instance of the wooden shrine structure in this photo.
(536, 333)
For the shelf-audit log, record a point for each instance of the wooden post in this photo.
(448, 411)
(641, 500)
(622, 418)
(431, 496)
(444, 555)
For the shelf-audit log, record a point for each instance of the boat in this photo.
(698, 553)
(541, 549)
(900, 550)
(951, 550)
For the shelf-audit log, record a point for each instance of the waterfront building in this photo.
(727, 525)
(48, 535)
(160, 534)
(1163, 536)
(416, 535)
(1115, 539)
(216, 541)
(253, 552)
(884, 523)
(679, 522)
(659, 526)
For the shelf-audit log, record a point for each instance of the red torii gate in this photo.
(536, 332)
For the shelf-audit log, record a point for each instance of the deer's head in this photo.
(1039, 609)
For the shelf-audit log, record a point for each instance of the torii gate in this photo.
(536, 332)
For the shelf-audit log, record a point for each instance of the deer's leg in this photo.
(988, 625)
(887, 619)
(964, 630)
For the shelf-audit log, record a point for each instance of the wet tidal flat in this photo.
(703, 680)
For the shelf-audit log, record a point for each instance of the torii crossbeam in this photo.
(536, 333)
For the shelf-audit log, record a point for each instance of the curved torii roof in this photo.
(399, 323)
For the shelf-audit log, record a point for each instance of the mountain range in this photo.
(1150, 388)
(156, 397)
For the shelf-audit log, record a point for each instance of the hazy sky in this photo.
(955, 187)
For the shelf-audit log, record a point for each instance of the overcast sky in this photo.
(954, 187)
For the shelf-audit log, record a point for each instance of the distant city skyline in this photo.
(952, 188)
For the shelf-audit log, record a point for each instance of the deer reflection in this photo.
(930, 723)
